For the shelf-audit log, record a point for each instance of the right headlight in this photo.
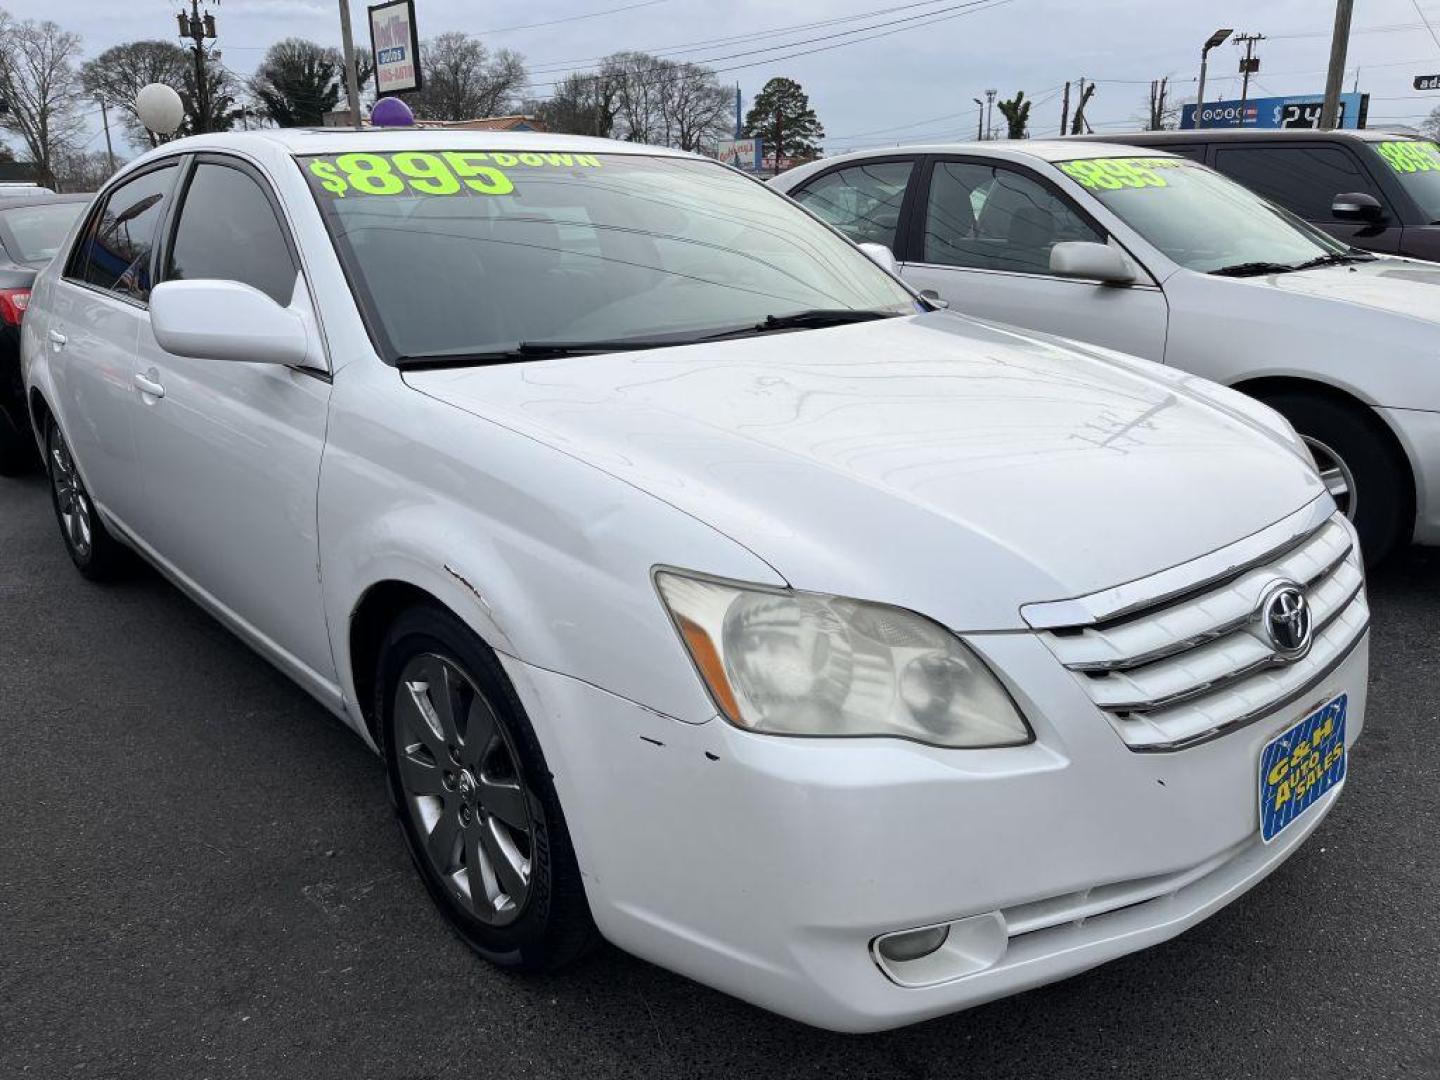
(797, 663)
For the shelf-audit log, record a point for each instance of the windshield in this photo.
(1197, 217)
(461, 252)
(1417, 165)
(32, 234)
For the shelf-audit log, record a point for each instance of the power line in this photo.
(1426, 21)
(572, 18)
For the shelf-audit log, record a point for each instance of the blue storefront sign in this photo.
(1299, 111)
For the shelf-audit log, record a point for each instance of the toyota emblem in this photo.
(1284, 616)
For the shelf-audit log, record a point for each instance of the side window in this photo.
(987, 218)
(1304, 180)
(862, 201)
(114, 251)
(1193, 151)
(228, 230)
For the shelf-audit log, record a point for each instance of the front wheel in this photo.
(476, 803)
(1365, 476)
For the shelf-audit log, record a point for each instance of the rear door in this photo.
(982, 238)
(231, 450)
(1305, 179)
(99, 304)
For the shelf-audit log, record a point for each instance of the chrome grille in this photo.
(1192, 666)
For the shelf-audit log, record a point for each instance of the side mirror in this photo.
(1087, 259)
(1357, 206)
(882, 256)
(225, 320)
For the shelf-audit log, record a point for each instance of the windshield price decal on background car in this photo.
(1112, 174)
(1410, 156)
(413, 172)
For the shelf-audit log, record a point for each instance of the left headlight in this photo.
(796, 663)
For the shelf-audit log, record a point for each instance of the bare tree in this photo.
(696, 108)
(83, 170)
(119, 72)
(582, 104)
(39, 83)
(1430, 126)
(463, 80)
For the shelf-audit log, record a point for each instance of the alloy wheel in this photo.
(72, 502)
(463, 789)
(1336, 476)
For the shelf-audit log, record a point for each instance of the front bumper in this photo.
(1419, 433)
(766, 866)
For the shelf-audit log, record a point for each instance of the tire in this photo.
(475, 802)
(1368, 478)
(95, 553)
(17, 447)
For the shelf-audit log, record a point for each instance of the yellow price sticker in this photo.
(1113, 174)
(450, 172)
(1410, 155)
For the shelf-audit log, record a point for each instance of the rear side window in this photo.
(228, 231)
(862, 201)
(114, 252)
(1304, 180)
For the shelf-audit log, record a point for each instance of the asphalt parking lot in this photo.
(200, 877)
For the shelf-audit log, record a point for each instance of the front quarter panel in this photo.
(546, 557)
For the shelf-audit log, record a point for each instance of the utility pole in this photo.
(979, 119)
(990, 113)
(1065, 110)
(1339, 43)
(1248, 64)
(197, 28)
(1214, 39)
(352, 88)
(105, 120)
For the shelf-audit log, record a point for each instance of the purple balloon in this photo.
(391, 112)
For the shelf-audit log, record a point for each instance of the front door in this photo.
(231, 450)
(983, 243)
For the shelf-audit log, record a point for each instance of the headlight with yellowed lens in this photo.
(797, 663)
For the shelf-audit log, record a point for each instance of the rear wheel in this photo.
(1367, 478)
(95, 553)
(476, 803)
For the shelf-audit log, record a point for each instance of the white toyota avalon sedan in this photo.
(1158, 256)
(699, 585)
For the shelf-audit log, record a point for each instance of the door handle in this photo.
(57, 340)
(148, 385)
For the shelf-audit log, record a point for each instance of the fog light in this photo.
(913, 944)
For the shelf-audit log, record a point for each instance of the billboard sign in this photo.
(1427, 82)
(396, 47)
(1299, 111)
(747, 154)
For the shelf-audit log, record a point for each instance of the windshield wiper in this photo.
(524, 350)
(810, 319)
(1335, 258)
(1253, 269)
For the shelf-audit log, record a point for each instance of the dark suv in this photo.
(1374, 189)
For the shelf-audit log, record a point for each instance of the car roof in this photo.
(12, 202)
(1004, 149)
(332, 140)
(1220, 135)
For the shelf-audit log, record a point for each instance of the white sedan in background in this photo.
(696, 581)
(1154, 255)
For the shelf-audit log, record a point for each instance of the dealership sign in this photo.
(396, 46)
(747, 154)
(1427, 82)
(1301, 111)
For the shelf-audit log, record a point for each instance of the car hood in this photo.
(1402, 286)
(954, 467)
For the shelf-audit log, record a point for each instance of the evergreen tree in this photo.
(784, 121)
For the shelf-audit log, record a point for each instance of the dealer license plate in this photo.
(1300, 765)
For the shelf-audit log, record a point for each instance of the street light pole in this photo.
(980, 120)
(990, 114)
(1339, 43)
(1215, 39)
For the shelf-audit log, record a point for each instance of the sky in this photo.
(917, 82)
